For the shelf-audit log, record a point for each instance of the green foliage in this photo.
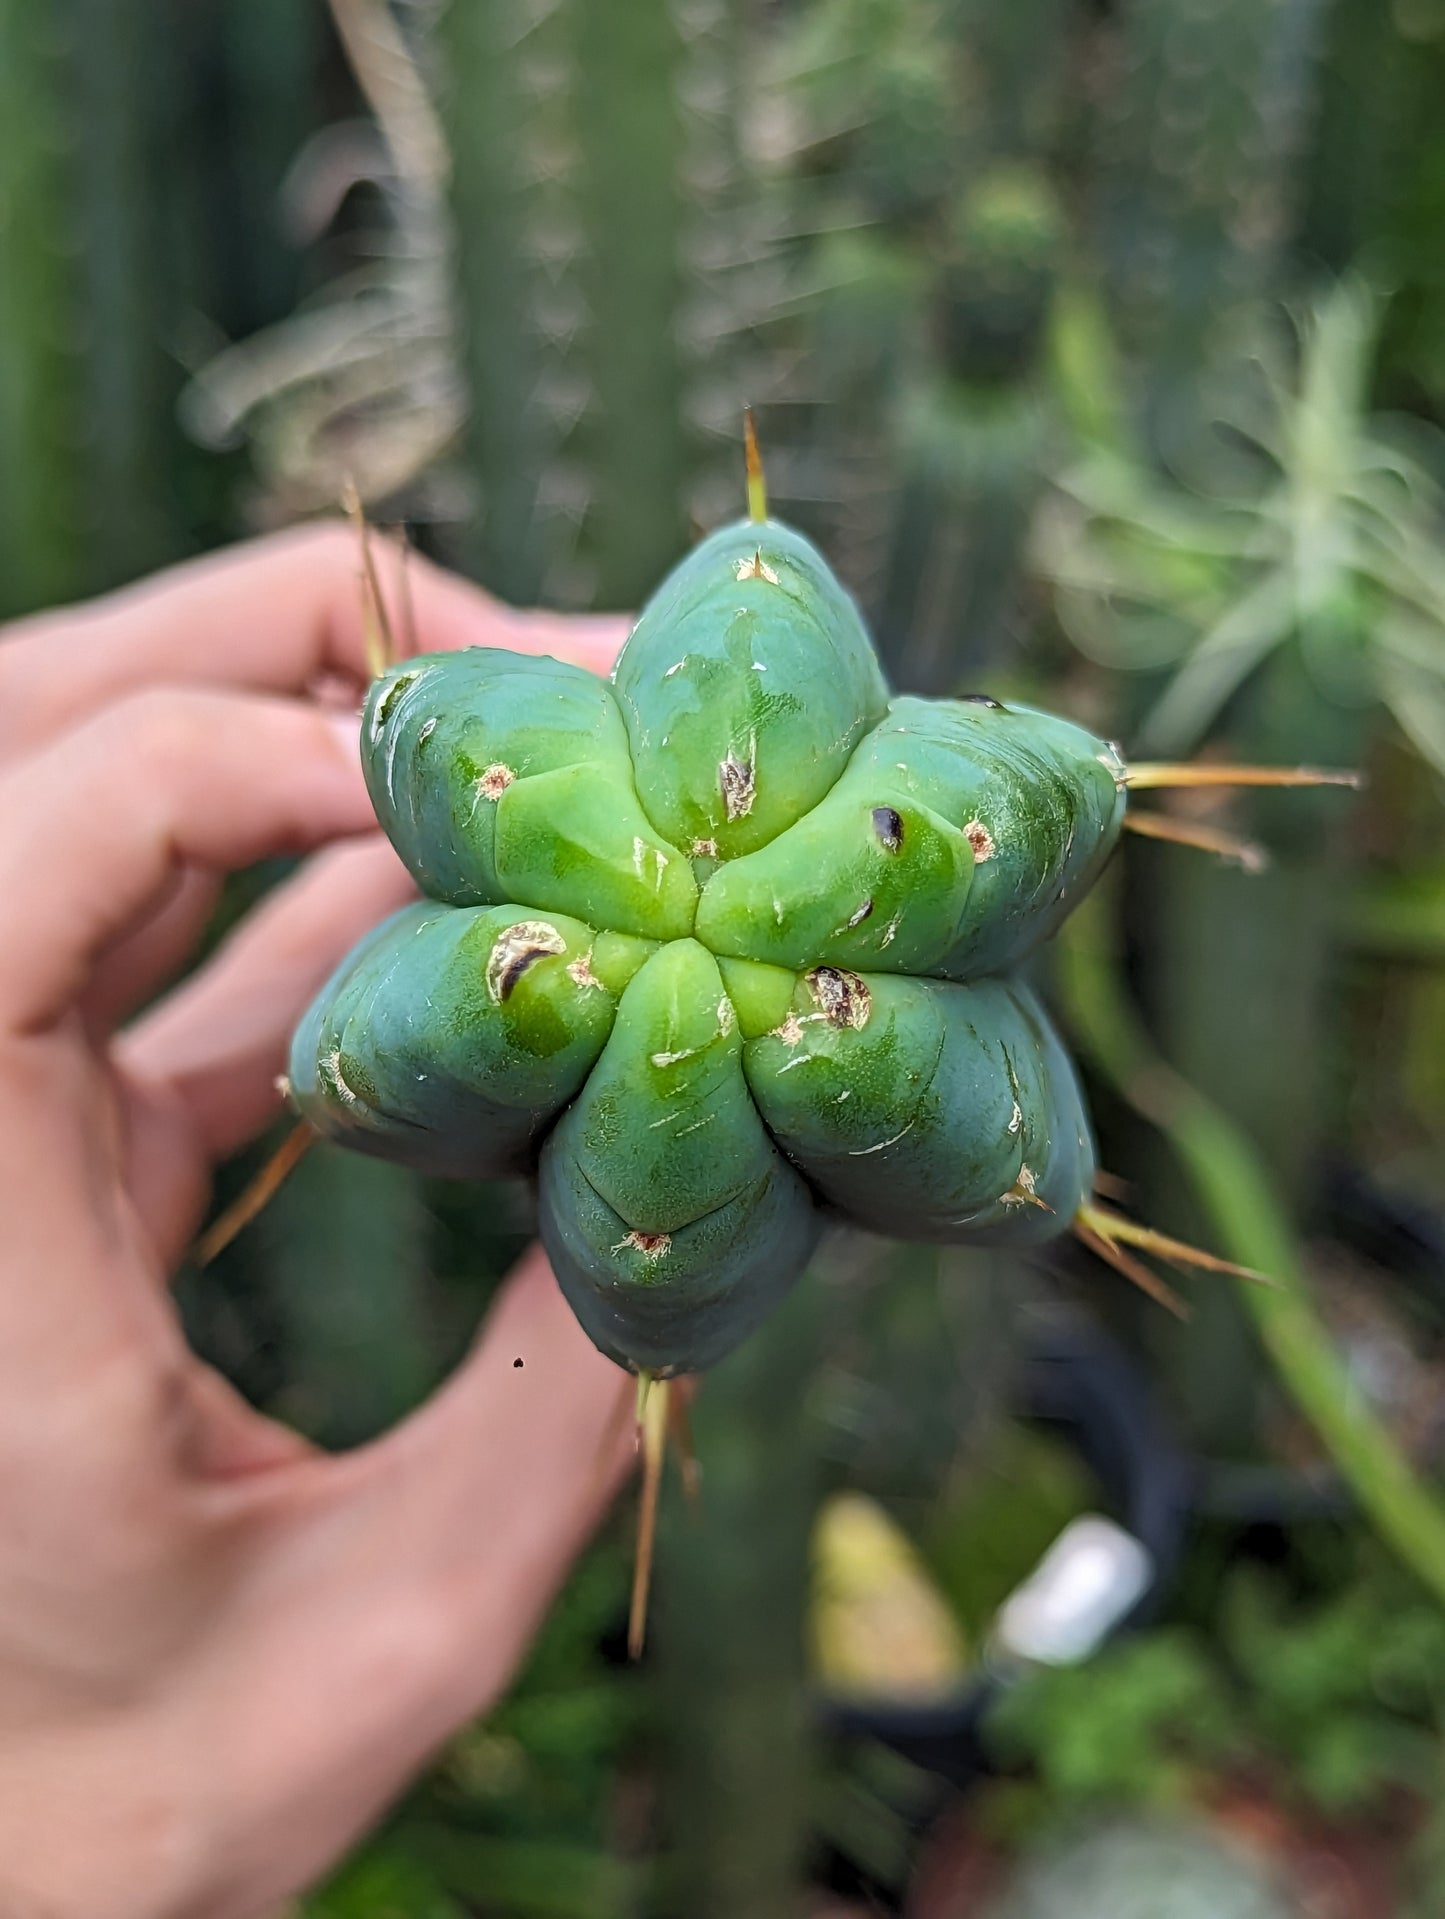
(86, 446)
(1338, 1703)
(1323, 537)
(1144, 1722)
(1347, 1694)
(383, 1885)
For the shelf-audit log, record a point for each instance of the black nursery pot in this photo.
(1074, 1378)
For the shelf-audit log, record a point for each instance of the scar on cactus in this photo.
(676, 1053)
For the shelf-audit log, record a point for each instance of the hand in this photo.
(221, 1651)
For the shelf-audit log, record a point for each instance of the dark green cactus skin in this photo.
(718, 950)
(953, 1113)
(1006, 814)
(502, 777)
(452, 1037)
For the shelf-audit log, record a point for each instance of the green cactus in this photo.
(717, 943)
(1200, 146)
(84, 492)
(606, 280)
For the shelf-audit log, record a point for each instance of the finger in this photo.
(219, 1041)
(200, 1069)
(142, 961)
(404, 1582)
(98, 825)
(274, 615)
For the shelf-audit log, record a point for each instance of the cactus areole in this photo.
(718, 948)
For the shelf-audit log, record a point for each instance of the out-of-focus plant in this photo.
(86, 443)
(1323, 530)
(610, 263)
(914, 156)
(1339, 1702)
(1199, 157)
(360, 383)
(1246, 1220)
(1286, 604)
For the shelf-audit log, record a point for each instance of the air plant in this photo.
(1323, 533)
(362, 383)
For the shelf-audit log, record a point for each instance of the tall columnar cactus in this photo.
(922, 142)
(604, 280)
(84, 373)
(732, 1683)
(1201, 133)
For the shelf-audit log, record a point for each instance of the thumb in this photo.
(403, 1582)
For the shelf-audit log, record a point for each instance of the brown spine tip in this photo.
(1203, 839)
(258, 1194)
(756, 568)
(1214, 773)
(652, 1405)
(757, 485)
(377, 636)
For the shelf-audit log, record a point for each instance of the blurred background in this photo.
(1101, 345)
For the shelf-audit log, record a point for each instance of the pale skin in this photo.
(222, 1652)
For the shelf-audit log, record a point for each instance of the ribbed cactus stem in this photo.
(492, 57)
(84, 378)
(1202, 147)
(601, 290)
(731, 1603)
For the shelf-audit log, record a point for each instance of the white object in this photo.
(1091, 1576)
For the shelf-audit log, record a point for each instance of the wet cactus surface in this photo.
(716, 948)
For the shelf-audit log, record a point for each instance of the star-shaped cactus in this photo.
(717, 947)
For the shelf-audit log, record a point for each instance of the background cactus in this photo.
(86, 428)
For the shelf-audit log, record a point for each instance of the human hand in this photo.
(221, 1651)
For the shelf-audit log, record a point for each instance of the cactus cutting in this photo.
(722, 948)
